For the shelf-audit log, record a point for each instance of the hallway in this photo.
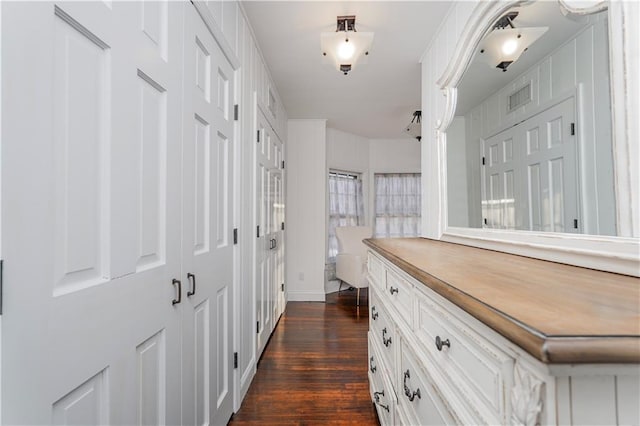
(314, 369)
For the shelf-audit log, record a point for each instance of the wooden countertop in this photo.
(558, 313)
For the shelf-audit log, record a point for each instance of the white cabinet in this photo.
(437, 364)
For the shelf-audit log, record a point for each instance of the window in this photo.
(346, 207)
(397, 205)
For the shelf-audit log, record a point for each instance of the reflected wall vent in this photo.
(520, 97)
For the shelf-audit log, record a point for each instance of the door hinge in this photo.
(573, 129)
(235, 360)
(282, 287)
(1, 282)
(258, 136)
(283, 164)
(235, 236)
(282, 226)
(258, 327)
(258, 231)
(483, 161)
(235, 112)
(575, 223)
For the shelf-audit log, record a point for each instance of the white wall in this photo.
(353, 153)
(306, 233)
(394, 155)
(457, 181)
(347, 152)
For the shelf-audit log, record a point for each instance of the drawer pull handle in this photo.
(374, 313)
(386, 341)
(407, 391)
(393, 290)
(372, 367)
(377, 397)
(440, 343)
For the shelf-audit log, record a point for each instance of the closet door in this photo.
(531, 174)
(502, 171)
(264, 240)
(207, 227)
(91, 234)
(550, 169)
(277, 231)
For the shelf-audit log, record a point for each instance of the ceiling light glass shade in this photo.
(504, 46)
(345, 47)
(414, 130)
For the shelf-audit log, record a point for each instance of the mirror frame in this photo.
(618, 254)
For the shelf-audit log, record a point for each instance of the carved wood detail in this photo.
(526, 397)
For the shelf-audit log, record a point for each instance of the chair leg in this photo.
(358, 302)
(340, 288)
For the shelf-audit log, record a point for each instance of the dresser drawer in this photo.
(380, 388)
(399, 293)
(376, 366)
(382, 328)
(419, 399)
(476, 368)
(377, 272)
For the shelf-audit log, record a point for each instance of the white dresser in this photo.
(460, 335)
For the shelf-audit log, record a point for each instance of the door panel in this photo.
(207, 227)
(551, 159)
(92, 236)
(531, 174)
(263, 266)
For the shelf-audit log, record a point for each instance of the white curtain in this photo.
(346, 207)
(397, 205)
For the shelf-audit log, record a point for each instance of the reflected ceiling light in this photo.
(505, 43)
(345, 46)
(414, 129)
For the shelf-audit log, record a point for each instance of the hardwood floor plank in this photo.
(314, 368)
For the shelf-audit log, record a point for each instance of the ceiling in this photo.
(377, 99)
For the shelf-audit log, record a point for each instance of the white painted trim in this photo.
(615, 254)
(216, 32)
(305, 296)
(589, 251)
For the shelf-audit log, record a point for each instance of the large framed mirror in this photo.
(538, 156)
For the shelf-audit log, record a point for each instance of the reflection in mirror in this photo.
(530, 147)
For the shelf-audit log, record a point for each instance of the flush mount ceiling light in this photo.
(414, 128)
(346, 46)
(505, 43)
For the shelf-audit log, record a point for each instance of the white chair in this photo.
(351, 261)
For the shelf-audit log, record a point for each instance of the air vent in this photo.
(519, 98)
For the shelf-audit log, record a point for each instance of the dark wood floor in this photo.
(314, 369)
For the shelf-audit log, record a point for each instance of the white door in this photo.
(277, 228)
(264, 240)
(500, 175)
(207, 227)
(551, 175)
(531, 176)
(91, 234)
